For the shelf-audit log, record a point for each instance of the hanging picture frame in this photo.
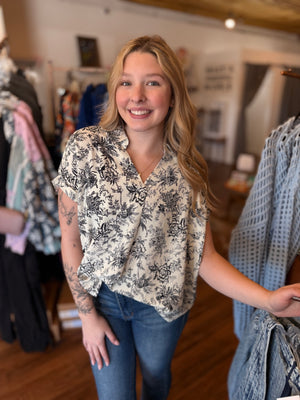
(88, 51)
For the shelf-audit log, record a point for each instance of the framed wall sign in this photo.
(88, 50)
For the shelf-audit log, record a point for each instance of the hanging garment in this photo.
(22, 309)
(266, 239)
(28, 185)
(23, 90)
(91, 104)
(21, 296)
(4, 157)
(266, 365)
(66, 119)
(20, 287)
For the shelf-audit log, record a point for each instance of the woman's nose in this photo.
(138, 93)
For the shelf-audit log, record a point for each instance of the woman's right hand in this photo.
(94, 329)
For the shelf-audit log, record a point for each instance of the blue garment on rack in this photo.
(91, 105)
(266, 363)
(266, 239)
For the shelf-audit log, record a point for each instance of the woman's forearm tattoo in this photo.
(68, 214)
(81, 297)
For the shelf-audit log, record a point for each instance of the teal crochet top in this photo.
(266, 239)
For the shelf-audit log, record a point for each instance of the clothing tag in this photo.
(289, 398)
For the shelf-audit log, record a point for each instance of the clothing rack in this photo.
(76, 73)
(290, 73)
(27, 261)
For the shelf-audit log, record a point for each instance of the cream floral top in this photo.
(142, 239)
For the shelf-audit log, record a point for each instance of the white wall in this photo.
(220, 89)
(47, 30)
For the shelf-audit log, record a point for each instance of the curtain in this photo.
(254, 75)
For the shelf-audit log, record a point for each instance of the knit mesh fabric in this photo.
(266, 239)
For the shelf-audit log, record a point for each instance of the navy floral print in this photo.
(141, 238)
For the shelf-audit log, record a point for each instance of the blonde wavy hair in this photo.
(181, 120)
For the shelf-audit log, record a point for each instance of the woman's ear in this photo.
(172, 102)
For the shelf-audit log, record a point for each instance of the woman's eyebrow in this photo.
(150, 75)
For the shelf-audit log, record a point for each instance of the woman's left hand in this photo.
(285, 301)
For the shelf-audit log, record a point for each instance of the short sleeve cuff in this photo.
(59, 183)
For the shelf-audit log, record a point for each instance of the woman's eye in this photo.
(153, 83)
(124, 83)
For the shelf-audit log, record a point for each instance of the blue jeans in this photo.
(144, 333)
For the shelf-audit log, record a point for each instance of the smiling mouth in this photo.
(140, 112)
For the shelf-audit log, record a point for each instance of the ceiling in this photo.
(282, 15)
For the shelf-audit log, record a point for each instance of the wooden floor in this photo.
(200, 365)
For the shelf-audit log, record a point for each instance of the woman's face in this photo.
(143, 96)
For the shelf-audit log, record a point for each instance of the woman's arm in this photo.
(94, 327)
(225, 278)
(11, 221)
